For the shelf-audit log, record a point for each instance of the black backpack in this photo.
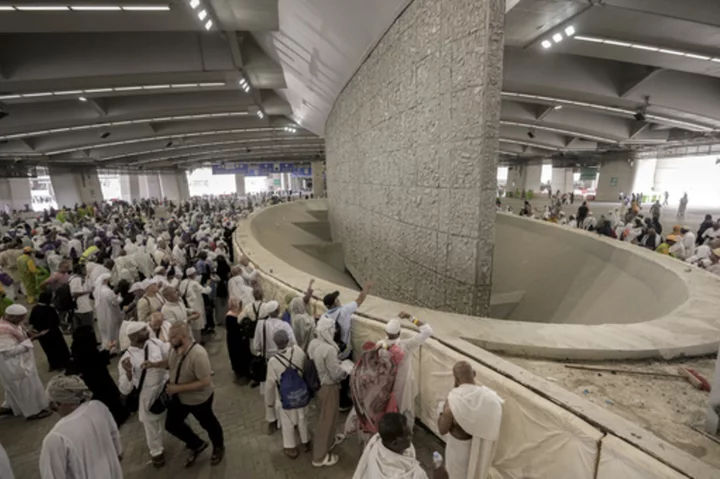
(247, 325)
(63, 299)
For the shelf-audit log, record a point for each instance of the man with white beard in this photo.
(150, 382)
(24, 393)
(470, 421)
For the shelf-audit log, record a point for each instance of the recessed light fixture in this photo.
(557, 107)
(194, 3)
(570, 31)
(82, 98)
(208, 25)
(546, 43)
(557, 38)
(202, 14)
(260, 114)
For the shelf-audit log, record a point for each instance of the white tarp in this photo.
(619, 460)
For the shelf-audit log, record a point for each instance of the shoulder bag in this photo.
(161, 403)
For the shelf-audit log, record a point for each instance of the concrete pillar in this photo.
(524, 177)
(183, 185)
(533, 175)
(15, 193)
(413, 203)
(129, 187)
(615, 177)
(240, 184)
(150, 186)
(75, 185)
(318, 176)
(169, 186)
(562, 179)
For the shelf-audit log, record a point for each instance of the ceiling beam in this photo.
(633, 84)
(96, 104)
(545, 112)
(637, 128)
(235, 40)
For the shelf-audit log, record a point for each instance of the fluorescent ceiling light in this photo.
(68, 92)
(155, 87)
(557, 107)
(557, 37)
(82, 98)
(546, 43)
(697, 57)
(202, 14)
(570, 31)
(146, 8)
(617, 43)
(669, 52)
(184, 85)
(589, 39)
(208, 25)
(34, 95)
(9, 97)
(644, 47)
(6, 8)
(95, 8)
(127, 88)
(194, 3)
(99, 90)
(42, 8)
(211, 84)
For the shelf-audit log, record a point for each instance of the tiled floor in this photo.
(251, 453)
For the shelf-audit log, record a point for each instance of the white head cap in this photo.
(393, 326)
(15, 310)
(135, 326)
(190, 271)
(136, 287)
(267, 308)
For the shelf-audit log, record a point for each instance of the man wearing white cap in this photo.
(268, 324)
(24, 393)
(192, 291)
(149, 382)
(406, 384)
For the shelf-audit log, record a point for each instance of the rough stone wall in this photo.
(411, 156)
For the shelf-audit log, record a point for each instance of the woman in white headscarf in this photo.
(303, 324)
(107, 310)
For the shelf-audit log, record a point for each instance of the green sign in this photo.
(277, 182)
(613, 181)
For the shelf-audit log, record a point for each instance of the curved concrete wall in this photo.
(546, 430)
(566, 276)
(411, 156)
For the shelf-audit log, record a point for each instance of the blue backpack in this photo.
(294, 393)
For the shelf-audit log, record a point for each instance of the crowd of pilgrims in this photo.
(634, 223)
(148, 282)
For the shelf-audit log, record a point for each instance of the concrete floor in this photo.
(250, 452)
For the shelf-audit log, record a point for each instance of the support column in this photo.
(76, 185)
(150, 186)
(562, 179)
(129, 187)
(169, 186)
(615, 177)
(20, 196)
(525, 177)
(318, 176)
(183, 185)
(240, 184)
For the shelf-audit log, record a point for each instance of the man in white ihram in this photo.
(131, 373)
(406, 387)
(24, 393)
(85, 442)
(470, 422)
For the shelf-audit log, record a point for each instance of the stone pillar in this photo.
(150, 186)
(562, 179)
(615, 177)
(18, 190)
(183, 185)
(318, 176)
(129, 187)
(411, 147)
(240, 184)
(169, 186)
(75, 185)
(533, 176)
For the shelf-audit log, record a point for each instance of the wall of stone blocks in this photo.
(411, 148)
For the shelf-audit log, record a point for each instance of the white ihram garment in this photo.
(24, 392)
(478, 411)
(192, 290)
(155, 379)
(406, 387)
(289, 418)
(83, 445)
(379, 462)
(108, 313)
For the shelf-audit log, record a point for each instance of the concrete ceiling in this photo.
(160, 91)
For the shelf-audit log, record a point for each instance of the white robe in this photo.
(83, 445)
(237, 289)
(406, 384)
(5, 469)
(24, 392)
(192, 290)
(379, 462)
(289, 418)
(688, 241)
(478, 411)
(270, 326)
(109, 315)
(94, 272)
(155, 379)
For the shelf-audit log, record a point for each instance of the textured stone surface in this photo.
(411, 156)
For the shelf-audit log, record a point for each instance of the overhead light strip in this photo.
(86, 8)
(528, 143)
(213, 153)
(123, 123)
(595, 106)
(650, 48)
(173, 86)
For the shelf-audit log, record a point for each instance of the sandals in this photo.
(292, 453)
(217, 456)
(329, 460)
(194, 454)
